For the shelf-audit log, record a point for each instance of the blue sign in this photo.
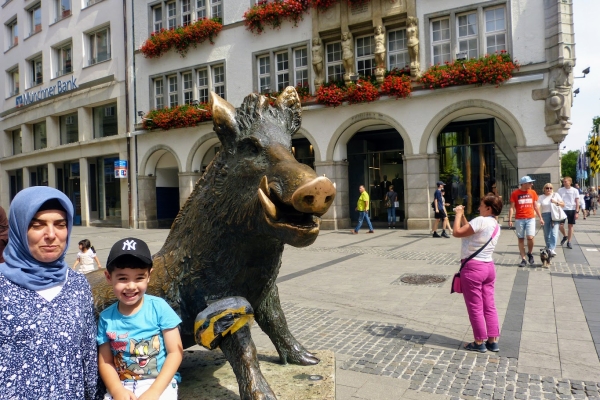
(121, 169)
(42, 94)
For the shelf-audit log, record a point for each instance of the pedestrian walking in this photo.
(446, 224)
(478, 274)
(570, 196)
(3, 232)
(362, 206)
(587, 201)
(545, 202)
(390, 202)
(440, 210)
(523, 204)
(594, 196)
(86, 257)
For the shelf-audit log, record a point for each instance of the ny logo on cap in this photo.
(130, 244)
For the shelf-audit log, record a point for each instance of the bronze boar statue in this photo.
(228, 238)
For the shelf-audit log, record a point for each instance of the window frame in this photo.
(34, 62)
(43, 141)
(396, 52)
(156, 95)
(157, 25)
(441, 42)
(273, 76)
(300, 68)
(33, 28)
(93, 46)
(334, 63)
(14, 87)
(189, 13)
(173, 95)
(13, 40)
(61, 64)
(98, 119)
(171, 18)
(60, 15)
(363, 58)
(468, 37)
(74, 120)
(494, 33)
(187, 92)
(14, 142)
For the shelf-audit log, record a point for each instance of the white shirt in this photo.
(545, 202)
(570, 197)
(87, 260)
(483, 228)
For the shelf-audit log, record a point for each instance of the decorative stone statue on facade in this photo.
(348, 56)
(560, 99)
(379, 53)
(412, 32)
(317, 61)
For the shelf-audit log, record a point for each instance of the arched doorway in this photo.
(375, 160)
(167, 189)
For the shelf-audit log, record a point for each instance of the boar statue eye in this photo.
(249, 145)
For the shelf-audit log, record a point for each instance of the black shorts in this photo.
(570, 217)
(440, 215)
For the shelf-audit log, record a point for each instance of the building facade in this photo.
(476, 138)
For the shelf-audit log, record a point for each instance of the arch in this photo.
(201, 146)
(336, 150)
(311, 139)
(153, 155)
(464, 108)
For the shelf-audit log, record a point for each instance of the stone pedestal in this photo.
(147, 214)
(558, 132)
(338, 215)
(207, 375)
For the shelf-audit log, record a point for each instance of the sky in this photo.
(586, 105)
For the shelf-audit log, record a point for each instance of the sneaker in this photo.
(435, 234)
(564, 239)
(552, 253)
(569, 245)
(393, 227)
(523, 263)
(530, 257)
(444, 234)
(476, 347)
(389, 227)
(492, 346)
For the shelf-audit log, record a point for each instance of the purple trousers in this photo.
(477, 279)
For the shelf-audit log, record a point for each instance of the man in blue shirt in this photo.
(440, 210)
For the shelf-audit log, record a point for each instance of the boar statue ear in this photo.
(224, 122)
(289, 103)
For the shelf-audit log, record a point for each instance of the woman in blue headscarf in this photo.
(47, 323)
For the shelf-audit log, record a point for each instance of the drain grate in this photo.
(421, 280)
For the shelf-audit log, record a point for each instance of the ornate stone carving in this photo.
(412, 32)
(317, 61)
(560, 99)
(348, 55)
(379, 53)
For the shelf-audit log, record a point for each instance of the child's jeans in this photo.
(139, 387)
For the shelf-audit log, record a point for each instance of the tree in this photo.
(568, 163)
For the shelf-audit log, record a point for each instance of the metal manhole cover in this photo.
(423, 279)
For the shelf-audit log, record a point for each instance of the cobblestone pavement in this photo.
(389, 350)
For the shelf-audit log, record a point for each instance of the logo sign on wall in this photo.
(32, 96)
(121, 169)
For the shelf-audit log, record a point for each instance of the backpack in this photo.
(433, 205)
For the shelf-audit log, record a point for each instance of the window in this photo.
(440, 38)
(203, 85)
(216, 9)
(335, 66)
(200, 9)
(39, 136)
(63, 57)
(100, 46)
(186, 12)
(173, 95)
(397, 50)
(13, 82)
(13, 33)
(171, 15)
(495, 30)
(218, 74)
(467, 35)
(17, 141)
(37, 71)
(264, 74)
(365, 55)
(105, 120)
(283, 73)
(188, 88)
(301, 67)
(157, 18)
(159, 101)
(35, 18)
(63, 9)
(69, 129)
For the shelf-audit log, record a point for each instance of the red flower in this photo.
(177, 117)
(274, 13)
(395, 85)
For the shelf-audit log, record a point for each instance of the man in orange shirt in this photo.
(523, 202)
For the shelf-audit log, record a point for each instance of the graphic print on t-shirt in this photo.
(524, 202)
(142, 361)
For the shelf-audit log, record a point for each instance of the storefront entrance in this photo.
(375, 160)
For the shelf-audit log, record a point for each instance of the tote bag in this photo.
(558, 214)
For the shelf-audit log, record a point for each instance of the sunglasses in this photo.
(547, 188)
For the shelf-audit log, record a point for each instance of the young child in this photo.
(140, 347)
(86, 257)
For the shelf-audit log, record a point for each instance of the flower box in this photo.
(177, 117)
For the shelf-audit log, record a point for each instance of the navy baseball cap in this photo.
(440, 183)
(130, 247)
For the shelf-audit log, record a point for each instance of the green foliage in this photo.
(596, 124)
(568, 164)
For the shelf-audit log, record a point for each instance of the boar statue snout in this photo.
(314, 197)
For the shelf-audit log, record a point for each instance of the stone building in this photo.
(476, 138)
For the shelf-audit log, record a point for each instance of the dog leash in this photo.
(514, 229)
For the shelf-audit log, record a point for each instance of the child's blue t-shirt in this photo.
(136, 340)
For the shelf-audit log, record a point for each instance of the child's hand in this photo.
(124, 394)
(149, 394)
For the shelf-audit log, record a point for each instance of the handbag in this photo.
(557, 213)
(456, 286)
(388, 203)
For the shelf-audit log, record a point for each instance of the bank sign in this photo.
(44, 93)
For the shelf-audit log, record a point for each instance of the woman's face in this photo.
(47, 235)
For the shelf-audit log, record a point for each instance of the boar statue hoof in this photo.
(298, 355)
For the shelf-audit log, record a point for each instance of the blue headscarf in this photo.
(19, 265)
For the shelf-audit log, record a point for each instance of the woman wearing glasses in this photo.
(550, 227)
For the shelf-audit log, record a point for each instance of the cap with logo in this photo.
(526, 179)
(130, 247)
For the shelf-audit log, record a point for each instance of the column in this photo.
(27, 137)
(421, 172)
(187, 182)
(85, 122)
(52, 175)
(26, 177)
(124, 194)
(338, 215)
(53, 132)
(6, 145)
(4, 188)
(147, 215)
(84, 188)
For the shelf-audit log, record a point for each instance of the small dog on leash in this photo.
(546, 257)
